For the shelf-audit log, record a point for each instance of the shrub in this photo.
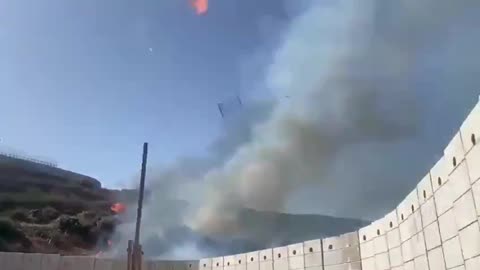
(20, 215)
(48, 214)
(8, 231)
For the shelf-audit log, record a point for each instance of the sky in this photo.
(85, 83)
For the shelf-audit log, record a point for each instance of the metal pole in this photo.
(140, 196)
(129, 255)
(136, 259)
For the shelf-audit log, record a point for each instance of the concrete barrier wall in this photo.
(436, 227)
(27, 261)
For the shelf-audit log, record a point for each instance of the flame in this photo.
(200, 6)
(118, 208)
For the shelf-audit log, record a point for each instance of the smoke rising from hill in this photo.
(350, 83)
(350, 71)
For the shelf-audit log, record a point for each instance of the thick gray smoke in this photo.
(352, 96)
(350, 82)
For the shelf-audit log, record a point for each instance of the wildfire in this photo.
(118, 208)
(200, 6)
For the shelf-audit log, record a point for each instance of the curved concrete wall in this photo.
(436, 227)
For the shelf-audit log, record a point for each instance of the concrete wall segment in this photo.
(295, 256)
(13, 261)
(428, 212)
(436, 260)
(266, 255)
(424, 189)
(346, 266)
(313, 253)
(470, 129)
(453, 153)
(341, 256)
(280, 253)
(452, 252)
(32, 261)
(472, 264)
(408, 206)
(464, 210)
(476, 196)
(252, 257)
(470, 241)
(253, 260)
(266, 259)
(447, 225)
(459, 181)
(119, 265)
(229, 262)
(241, 261)
(76, 263)
(217, 262)
(50, 261)
(444, 198)
(105, 264)
(438, 174)
(432, 236)
(473, 161)
(395, 256)
(391, 220)
(205, 263)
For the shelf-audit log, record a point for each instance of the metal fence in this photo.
(27, 158)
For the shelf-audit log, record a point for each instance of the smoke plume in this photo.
(347, 91)
(350, 83)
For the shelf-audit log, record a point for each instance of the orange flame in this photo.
(118, 208)
(200, 6)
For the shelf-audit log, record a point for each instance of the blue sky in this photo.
(79, 84)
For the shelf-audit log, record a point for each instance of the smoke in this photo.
(351, 82)
(347, 98)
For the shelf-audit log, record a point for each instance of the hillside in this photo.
(44, 215)
(260, 230)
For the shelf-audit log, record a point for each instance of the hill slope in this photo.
(41, 213)
(260, 230)
(44, 215)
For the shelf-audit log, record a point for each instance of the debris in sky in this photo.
(200, 6)
(150, 49)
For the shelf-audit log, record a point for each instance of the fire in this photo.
(118, 208)
(200, 6)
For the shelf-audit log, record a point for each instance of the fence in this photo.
(12, 155)
(48, 168)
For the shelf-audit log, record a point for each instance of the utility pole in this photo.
(135, 252)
